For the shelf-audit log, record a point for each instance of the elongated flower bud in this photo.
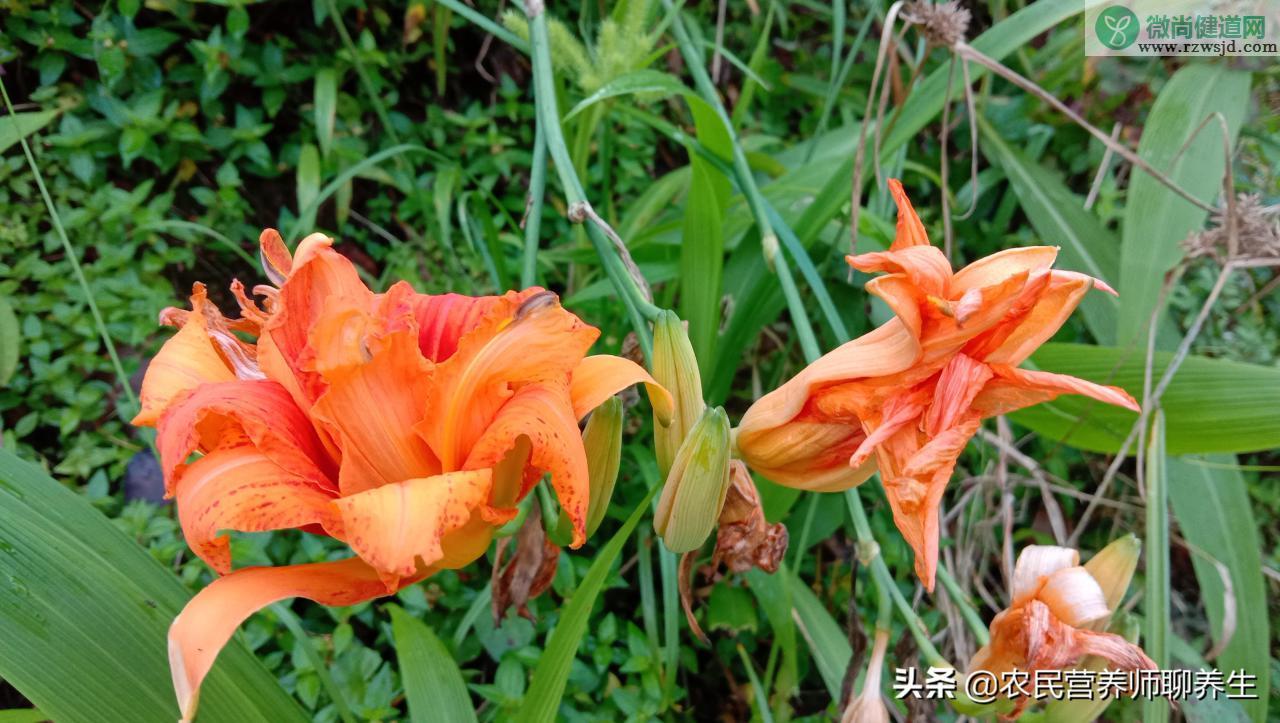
(695, 488)
(676, 368)
(868, 706)
(1113, 568)
(603, 441)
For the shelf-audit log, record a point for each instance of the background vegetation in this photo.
(169, 133)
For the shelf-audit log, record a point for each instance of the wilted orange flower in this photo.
(406, 425)
(1057, 610)
(910, 394)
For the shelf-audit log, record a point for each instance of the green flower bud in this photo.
(676, 368)
(695, 488)
(603, 441)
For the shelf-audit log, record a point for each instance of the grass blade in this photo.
(542, 701)
(318, 663)
(84, 615)
(1211, 503)
(1155, 219)
(433, 685)
(1156, 601)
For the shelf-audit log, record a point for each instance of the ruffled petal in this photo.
(244, 490)
(444, 319)
(925, 266)
(889, 349)
(959, 383)
(1035, 564)
(807, 454)
(371, 409)
(208, 621)
(1033, 326)
(261, 411)
(1074, 597)
(538, 341)
(187, 360)
(601, 376)
(543, 414)
(994, 269)
(910, 230)
(399, 528)
(1014, 388)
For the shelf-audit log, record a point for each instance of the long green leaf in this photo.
(1060, 218)
(84, 614)
(1210, 501)
(19, 125)
(433, 684)
(1212, 405)
(542, 701)
(325, 97)
(22, 715)
(647, 82)
(821, 188)
(1155, 605)
(10, 342)
(827, 642)
(702, 258)
(1156, 220)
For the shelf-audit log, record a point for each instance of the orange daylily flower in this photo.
(909, 395)
(406, 425)
(1058, 608)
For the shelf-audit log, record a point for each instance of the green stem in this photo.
(1156, 547)
(317, 661)
(533, 219)
(967, 611)
(636, 304)
(486, 24)
(72, 256)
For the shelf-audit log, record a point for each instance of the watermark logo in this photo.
(1148, 28)
(1117, 27)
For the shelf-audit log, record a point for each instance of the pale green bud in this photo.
(695, 488)
(676, 368)
(603, 441)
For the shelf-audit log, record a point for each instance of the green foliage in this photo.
(171, 133)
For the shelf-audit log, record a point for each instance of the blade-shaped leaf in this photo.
(1156, 220)
(1059, 217)
(826, 640)
(702, 259)
(326, 106)
(84, 614)
(16, 126)
(1211, 503)
(10, 341)
(433, 684)
(1212, 405)
(542, 701)
(644, 81)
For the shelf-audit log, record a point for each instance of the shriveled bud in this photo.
(868, 706)
(696, 485)
(676, 368)
(603, 441)
(1113, 568)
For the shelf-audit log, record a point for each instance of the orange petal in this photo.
(926, 266)
(902, 297)
(1015, 388)
(601, 376)
(244, 490)
(915, 513)
(445, 318)
(898, 413)
(536, 342)
(371, 409)
(262, 411)
(994, 269)
(807, 454)
(321, 278)
(888, 349)
(542, 413)
(910, 230)
(274, 255)
(1041, 321)
(207, 622)
(187, 360)
(958, 384)
(394, 526)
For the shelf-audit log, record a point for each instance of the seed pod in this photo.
(695, 488)
(603, 441)
(676, 368)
